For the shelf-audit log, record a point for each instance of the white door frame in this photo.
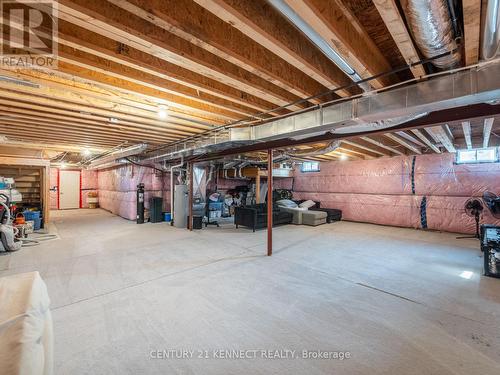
(69, 197)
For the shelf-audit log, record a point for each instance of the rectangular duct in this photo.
(468, 87)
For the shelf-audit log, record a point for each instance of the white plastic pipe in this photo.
(172, 170)
(491, 32)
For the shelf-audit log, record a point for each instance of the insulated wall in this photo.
(88, 185)
(118, 189)
(424, 191)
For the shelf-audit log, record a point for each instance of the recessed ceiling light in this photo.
(343, 157)
(114, 120)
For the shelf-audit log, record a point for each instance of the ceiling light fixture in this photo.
(113, 120)
(86, 152)
(343, 157)
(162, 112)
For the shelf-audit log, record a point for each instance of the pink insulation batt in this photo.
(117, 189)
(380, 190)
(89, 184)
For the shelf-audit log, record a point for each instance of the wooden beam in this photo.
(173, 77)
(29, 135)
(426, 140)
(389, 12)
(466, 130)
(488, 124)
(47, 109)
(380, 144)
(99, 126)
(69, 76)
(261, 22)
(378, 152)
(26, 94)
(193, 23)
(472, 26)
(439, 134)
(99, 70)
(403, 142)
(113, 22)
(51, 147)
(350, 150)
(410, 138)
(103, 131)
(180, 103)
(336, 24)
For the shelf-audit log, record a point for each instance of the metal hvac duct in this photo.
(332, 146)
(119, 154)
(432, 29)
(491, 31)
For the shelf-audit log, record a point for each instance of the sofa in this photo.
(302, 215)
(255, 216)
(333, 214)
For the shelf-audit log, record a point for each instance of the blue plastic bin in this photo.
(167, 216)
(37, 224)
(31, 215)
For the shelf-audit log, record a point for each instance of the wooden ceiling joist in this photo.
(112, 21)
(371, 149)
(410, 138)
(73, 103)
(426, 140)
(336, 24)
(403, 142)
(180, 78)
(488, 124)
(90, 95)
(102, 129)
(382, 145)
(467, 135)
(389, 12)
(472, 25)
(29, 135)
(109, 71)
(189, 21)
(439, 134)
(188, 108)
(259, 21)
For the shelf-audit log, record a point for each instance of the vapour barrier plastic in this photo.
(89, 185)
(389, 191)
(118, 189)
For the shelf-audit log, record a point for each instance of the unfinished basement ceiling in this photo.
(211, 63)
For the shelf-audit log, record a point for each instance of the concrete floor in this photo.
(391, 297)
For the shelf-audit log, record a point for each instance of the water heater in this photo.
(181, 204)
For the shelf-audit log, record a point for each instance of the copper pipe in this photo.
(269, 202)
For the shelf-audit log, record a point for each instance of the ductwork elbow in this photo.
(491, 31)
(431, 27)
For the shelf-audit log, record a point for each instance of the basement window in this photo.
(479, 155)
(310, 166)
